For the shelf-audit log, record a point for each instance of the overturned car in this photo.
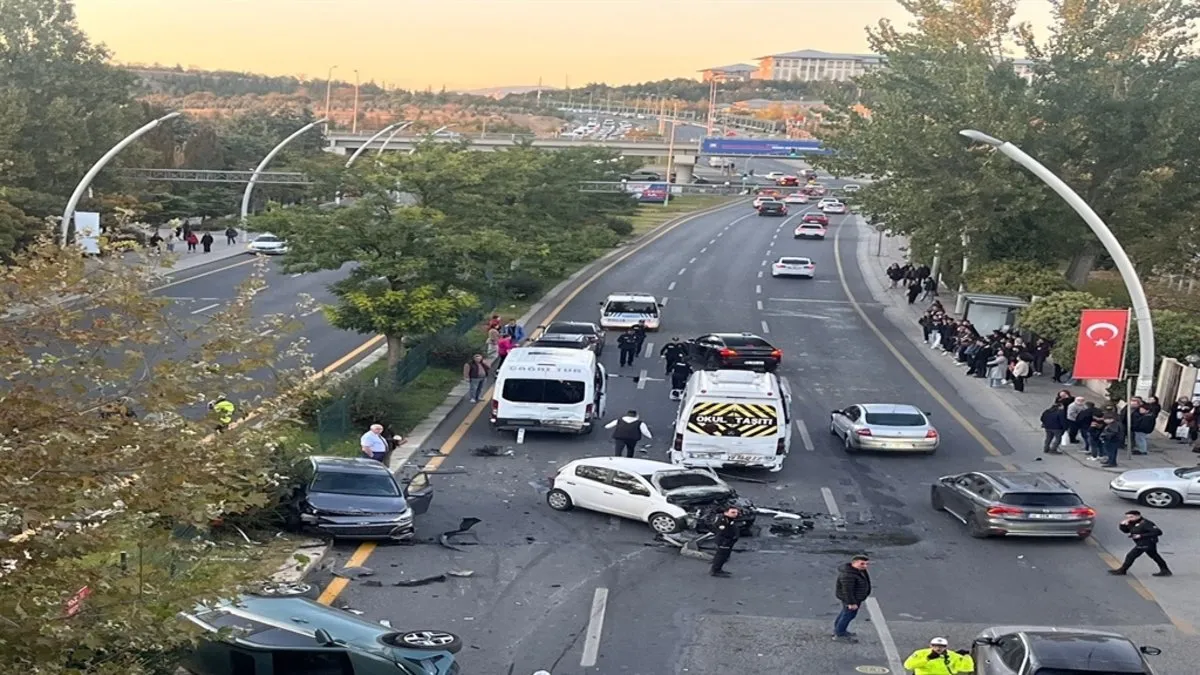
(668, 498)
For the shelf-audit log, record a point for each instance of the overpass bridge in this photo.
(724, 119)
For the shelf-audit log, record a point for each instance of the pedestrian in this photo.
(1112, 437)
(1054, 423)
(1041, 353)
(224, 409)
(495, 322)
(1073, 409)
(191, 240)
(1083, 424)
(680, 373)
(852, 590)
(1142, 426)
(725, 533)
(627, 344)
(171, 239)
(492, 345)
(673, 352)
(997, 366)
(1020, 372)
(928, 288)
(156, 241)
(628, 430)
(231, 236)
(513, 330)
(937, 659)
(476, 372)
(503, 346)
(373, 444)
(639, 332)
(207, 241)
(1145, 535)
(914, 289)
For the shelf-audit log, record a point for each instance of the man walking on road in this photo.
(852, 590)
(937, 659)
(1054, 423)
(627, 431)
(725, 532)
(1144, 534)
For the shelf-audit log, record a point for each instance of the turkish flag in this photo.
(1100, 353)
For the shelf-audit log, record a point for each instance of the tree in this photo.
(1017, 278)
(118, 506)
(16, 229)
(1056, 318)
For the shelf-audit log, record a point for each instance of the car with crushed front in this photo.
(1013, 504)
(1050, 650)
(354, 498)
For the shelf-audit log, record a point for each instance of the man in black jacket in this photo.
(725, 531)
(628, 345)
(1142, 427)
(673, 352)
(852, 589)
(1054, 424)
(1144, 534)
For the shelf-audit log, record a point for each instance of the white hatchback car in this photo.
(826, 202)
(796, 198)
(789, 266)
(655, 493)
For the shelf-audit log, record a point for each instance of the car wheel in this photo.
(664, 524)
(1160, 498)
(847, 443)
(430, 641)
(559, 500)
(936, 501)
(297, 589)
(976, 529)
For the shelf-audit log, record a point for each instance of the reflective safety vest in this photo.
(950, 663)
(224, 410)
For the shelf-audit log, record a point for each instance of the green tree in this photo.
(123, 507)
(1018, 278)
(16, 228)
(1056, 318)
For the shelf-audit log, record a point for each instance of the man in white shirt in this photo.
(628, 430)
(373, 444)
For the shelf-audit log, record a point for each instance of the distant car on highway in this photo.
(788, 181)
(1014, 504)
(775, 175)
(772, 207)
(643, 175)
(267, 244)
(819, 218)
(790, 266)
(836, 208)
(809, 231)
(758, 201)
(1161, 488)
(852, 187)
(826, 202)
(796, 198)
(895, 427)
(626, 310)
(1046, 650)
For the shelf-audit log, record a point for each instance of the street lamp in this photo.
(267, 160)
(383, 146)
(369, 141)
(1133, 284)
(86, 181)
(354, 119)
(328, 90)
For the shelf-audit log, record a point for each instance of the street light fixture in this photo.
(366, 144)
(328, 91)
(1133, 284)
(267, 160)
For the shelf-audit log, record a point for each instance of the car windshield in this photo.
(630, 307)
(565, 342)
(895, 419)
(570, 329)
(544, 391)
(1188, 472)
(675, 481)
(811, 226)
(349, 483)
(1041, 499)
(267, 239)
(745, 341)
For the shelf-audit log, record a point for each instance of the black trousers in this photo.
(626, 448)
(1151, 551)
(627, 356)
(721, 557)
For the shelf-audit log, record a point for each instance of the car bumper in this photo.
(808, 236)
(774, 214)
(793, 273)
(556, 426)
(622, 325)
(364, 529)
(719, 460)
(268, 251)
(1124, 492)
(896, 445)
(751, 363)
(1041, 528)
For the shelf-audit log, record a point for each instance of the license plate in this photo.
(747, 458)
(1048, 516)
(707, 455)
(557, 423)
(754, 363)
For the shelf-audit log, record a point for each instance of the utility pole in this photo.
(538, 103)
(567, 82)
(328, 92)
(712, 106)
(662, 116)
(671, 157)
(354, 122)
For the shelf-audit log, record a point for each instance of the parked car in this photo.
(733, 350)
(1013, 503)
(283, 633)
(1045, 650)
(893, 427)
(267, 244)
(1162, 488)
(354, 498)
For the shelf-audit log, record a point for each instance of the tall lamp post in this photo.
(354, 121)
(328, 90)
(1133, 284)
(383, 146)
(671, 157)
(86, 181)
(366, 144)
(267, 160)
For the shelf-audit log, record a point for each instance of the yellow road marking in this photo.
(369, 344)
(335, 587)
(1138, 587)
(203, 274)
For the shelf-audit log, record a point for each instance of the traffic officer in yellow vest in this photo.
(223, 408)
(937, 659)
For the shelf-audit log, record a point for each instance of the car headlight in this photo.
(406, 515)
(1119, 482)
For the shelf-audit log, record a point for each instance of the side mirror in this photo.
(323, 637)
(983, 641)
(1150, 651)
(660, 304)
(601, 303)
(927, 413)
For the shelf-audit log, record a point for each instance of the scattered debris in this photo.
(375, 583)
(423, 581)
(354, 572)
(444, 472)
(431, 452)
(492, 451)
(689, 548)
(463, 527)
(385, 623)
(744, 479)
(358, 612)
(462, 574)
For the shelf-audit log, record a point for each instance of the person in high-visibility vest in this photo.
(937, 659)
(224, 409)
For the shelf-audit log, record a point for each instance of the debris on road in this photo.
(492, 451)
(462, 574)
(689, 547)
(434, 452)
(463, 528)
(353, 572)
(423, 581)
(744, 479)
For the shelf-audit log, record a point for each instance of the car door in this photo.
(601, 391)
(631, 495)
(978, 494)
(955, 494)
(1010, 650)
(588, 485)
(847, 419)
(419, 496)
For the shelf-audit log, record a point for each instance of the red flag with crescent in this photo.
(1100, 353)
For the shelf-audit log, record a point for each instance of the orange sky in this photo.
(481, 43)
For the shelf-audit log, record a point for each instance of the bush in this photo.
(451, 351)
(523, 286)
(1018, 278)
(370, 404)
(620, 226)
(1176, 335)
(1056, 318)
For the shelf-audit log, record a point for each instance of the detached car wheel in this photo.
(297, 589)
(430, 640)
(664, 524)
(559, 500)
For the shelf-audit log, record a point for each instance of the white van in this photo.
(733, 418)
(626, 310)
(549, 389)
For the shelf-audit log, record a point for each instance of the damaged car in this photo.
(354, 498)
(668, 498)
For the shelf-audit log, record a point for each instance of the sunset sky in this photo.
(466, 44)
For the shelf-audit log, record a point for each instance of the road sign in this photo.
(75, 602)
(757, 147)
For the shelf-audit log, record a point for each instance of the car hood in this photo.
(692, 496)
(353, 505)
(1149, 475)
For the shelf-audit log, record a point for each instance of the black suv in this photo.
(772, 208)
(733, 350)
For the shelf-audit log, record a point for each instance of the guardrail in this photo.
(514, 138)
(632, 188)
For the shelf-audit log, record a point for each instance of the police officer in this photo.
(223, 408)
(674, 352)
(628, 430)
(725, 531)
(639, 332)
(628, 346)
(937, 659)
(680, 372)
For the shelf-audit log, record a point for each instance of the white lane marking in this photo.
(816, 300)
(765, 328)
(758, 287)
(693, 260)
(760, 274)
(830, 504)
(201, 275)
(314, 311)
(682, 270)
(712, 241)
(649, 349)
(758, 305)
(206, 308)
(721, 233)
(671, 287)
(885, 635)
(297, 276)
(664, 301)
(704, 250)
(763, 264)
(167, 297)
(805, 437)
(642, 379)
(266, 332)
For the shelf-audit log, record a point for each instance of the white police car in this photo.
(626, 310)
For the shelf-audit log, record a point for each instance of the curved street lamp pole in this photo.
(267, 160)
(88, 177)
(392, 135)
(374, 138)
(1133, 284)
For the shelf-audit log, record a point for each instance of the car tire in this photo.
(1160, 498)
(271, 589)
(848, 444)
(559, 500)
(935, 500)
(662, 523)
(428, 641)
(977, 530)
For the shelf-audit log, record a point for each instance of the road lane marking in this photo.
(266, 332)
(885, 635)
(763, 264)
(202, 275)
(313, 311)
(671, 286)
(704, 250)
(712, 241)
(681, 271)
(642, 379)
(649, 349)
(758, 305)
(691, 261)
(830, 503)
(758, 287)
(764, 327)
(664, 301)
(168, 297)
(760, 274)
(206, 308)
(595, 629)
(364, 550)
(816, 300)
(805, 437)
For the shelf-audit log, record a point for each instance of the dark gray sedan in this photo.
(1013, 503)
(1049, 650)
(354, 498)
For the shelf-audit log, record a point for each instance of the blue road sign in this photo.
(756, 147)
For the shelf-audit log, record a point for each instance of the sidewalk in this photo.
(1039, 390)
(181, 260)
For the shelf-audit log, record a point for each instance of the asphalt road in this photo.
(532, 600)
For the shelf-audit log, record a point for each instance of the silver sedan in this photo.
(894, 427)
(1159, 488)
